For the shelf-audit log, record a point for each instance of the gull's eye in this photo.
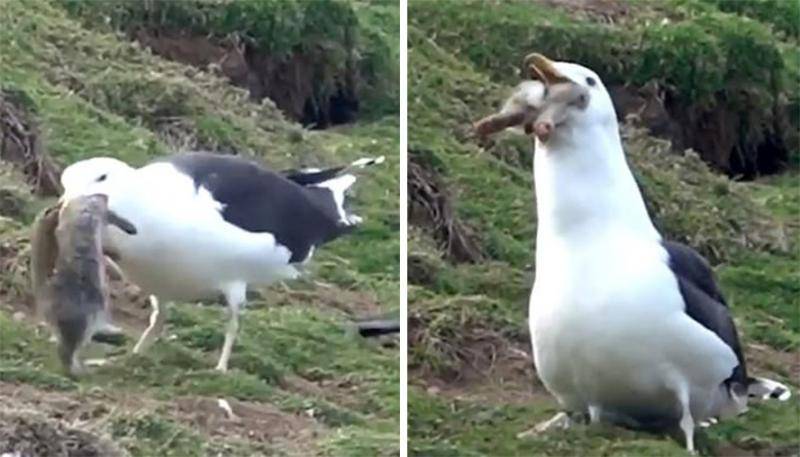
(590, 81)
(101, 178)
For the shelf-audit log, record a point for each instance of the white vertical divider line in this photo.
(403, 228)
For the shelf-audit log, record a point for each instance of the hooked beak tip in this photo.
(543, 69)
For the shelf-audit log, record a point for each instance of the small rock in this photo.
(19, 316)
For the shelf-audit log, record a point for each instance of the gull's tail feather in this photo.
(316, 176)
(329, 187)
(767, 389)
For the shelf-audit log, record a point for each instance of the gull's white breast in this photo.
(609, 330)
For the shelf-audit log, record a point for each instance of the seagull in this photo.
(626, 327)
(210, 225)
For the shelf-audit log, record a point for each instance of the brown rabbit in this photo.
(69, 273)
(537, 105)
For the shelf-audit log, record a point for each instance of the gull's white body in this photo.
(184, 249)
(609, 331)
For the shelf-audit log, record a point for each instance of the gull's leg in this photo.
(561, 421)
(687, 422)
(157, 319)
(235, 296)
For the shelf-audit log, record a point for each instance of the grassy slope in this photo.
(748, 66)
(279, 28)
(741, 226)
(96, 95)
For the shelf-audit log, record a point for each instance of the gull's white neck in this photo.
(584, 188)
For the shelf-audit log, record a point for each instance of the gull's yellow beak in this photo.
(543, 69)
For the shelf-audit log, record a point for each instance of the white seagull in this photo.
(209, 225)
(626, 327)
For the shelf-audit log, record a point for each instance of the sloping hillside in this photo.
(471, 259)
(302, 381)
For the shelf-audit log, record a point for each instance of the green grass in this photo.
(462, 61)
(91, 92)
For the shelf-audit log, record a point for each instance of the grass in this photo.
(469, 318)
(91, 92)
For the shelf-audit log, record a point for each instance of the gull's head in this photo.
(575, 98)
(92, 176)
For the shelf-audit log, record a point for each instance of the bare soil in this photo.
(288, 81)
(251, 421)
(39, 423)
(57, 424)
(498, 372)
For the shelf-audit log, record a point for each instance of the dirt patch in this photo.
(20, 144)
(510, 384)
(27, 434)
(431, 208)
(84, 418)
(249, 421)
(299, 84)
(342, 390)
(353, 303)
(489, 367)
(730, 450)
(763, 360)
(36, 423)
